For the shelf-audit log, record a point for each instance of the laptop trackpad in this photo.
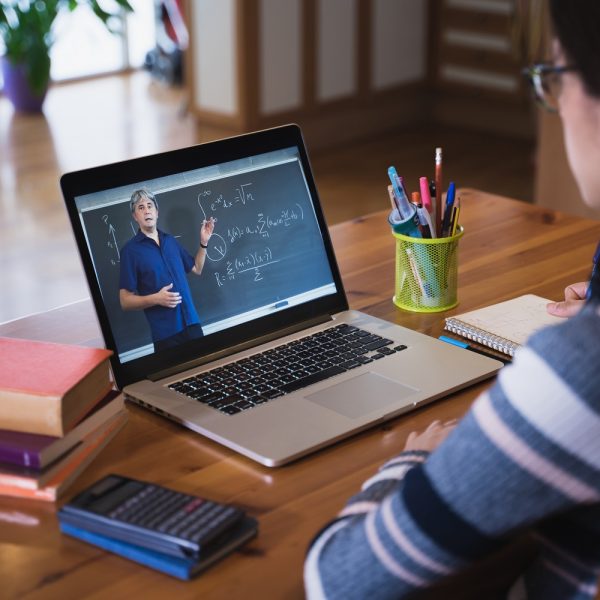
(361, 395)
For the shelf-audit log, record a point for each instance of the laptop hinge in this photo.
(180, 367)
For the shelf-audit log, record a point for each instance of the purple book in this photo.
(38, 451)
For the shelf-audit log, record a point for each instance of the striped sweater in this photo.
(525, 457)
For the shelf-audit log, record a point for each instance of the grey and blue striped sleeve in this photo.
(526, 455)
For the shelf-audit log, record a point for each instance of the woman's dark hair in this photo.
(577, 27)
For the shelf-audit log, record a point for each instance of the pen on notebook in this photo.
(446, 222)
(466, 346)
(438, 191)
(596, 260)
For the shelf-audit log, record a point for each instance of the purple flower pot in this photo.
(16, 88)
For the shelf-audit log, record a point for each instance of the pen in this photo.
(596, 260)
(393, 200)
(399, 193)
(404, 210)
(415, 271)
(398, 219)
(448, 210)
(438, 191)
(433, 194)
(455, 215)
(466, 346)
(426, 224)
(425, 195)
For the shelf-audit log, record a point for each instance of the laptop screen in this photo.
(267, 260)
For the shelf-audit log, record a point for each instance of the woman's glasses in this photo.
(546, 82)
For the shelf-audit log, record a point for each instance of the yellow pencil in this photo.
(455, 214)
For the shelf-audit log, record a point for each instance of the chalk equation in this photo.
(264, 223)
(252, 262)
(206, 201)
(115, 254)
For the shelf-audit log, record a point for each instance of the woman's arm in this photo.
(521, 455)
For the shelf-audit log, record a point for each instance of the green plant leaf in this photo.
(26, 30)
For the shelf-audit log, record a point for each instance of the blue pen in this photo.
(594, 274)
(466, 346)
(448, 209)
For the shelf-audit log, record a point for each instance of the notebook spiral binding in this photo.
(480, 336)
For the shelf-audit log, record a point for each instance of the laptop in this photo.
(283, 367)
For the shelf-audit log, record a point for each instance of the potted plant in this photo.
(26, 30)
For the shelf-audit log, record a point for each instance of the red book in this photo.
(46, 388)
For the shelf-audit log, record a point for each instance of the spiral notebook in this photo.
(504, 326)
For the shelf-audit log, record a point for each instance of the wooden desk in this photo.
(509, 248)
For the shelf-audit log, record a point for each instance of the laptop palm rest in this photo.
(362, 395)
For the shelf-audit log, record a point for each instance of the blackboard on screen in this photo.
(266, 246)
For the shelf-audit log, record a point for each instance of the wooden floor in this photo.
(119, 117)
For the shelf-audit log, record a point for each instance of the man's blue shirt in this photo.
(147, 267)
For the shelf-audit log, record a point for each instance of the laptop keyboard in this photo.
(262, 377)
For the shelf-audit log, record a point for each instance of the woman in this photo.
(527, 455)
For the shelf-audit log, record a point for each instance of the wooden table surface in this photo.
(509, 248)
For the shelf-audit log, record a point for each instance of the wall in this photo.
(340, 68)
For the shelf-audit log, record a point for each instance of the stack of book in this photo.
(57, 411)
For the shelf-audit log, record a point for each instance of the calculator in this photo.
(151, 516)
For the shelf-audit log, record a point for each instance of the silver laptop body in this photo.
(270, 280)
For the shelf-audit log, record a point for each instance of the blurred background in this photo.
(371, 82)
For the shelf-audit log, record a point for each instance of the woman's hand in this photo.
(431, 438)
(575, 296)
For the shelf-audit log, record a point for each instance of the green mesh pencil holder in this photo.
(426, 272)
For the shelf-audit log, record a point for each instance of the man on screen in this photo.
(153, 275)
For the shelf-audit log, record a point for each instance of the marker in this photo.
(425, 195)
(466, 346)
(438, 190)
(448, 210)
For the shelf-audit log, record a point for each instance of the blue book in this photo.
(182, 568)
